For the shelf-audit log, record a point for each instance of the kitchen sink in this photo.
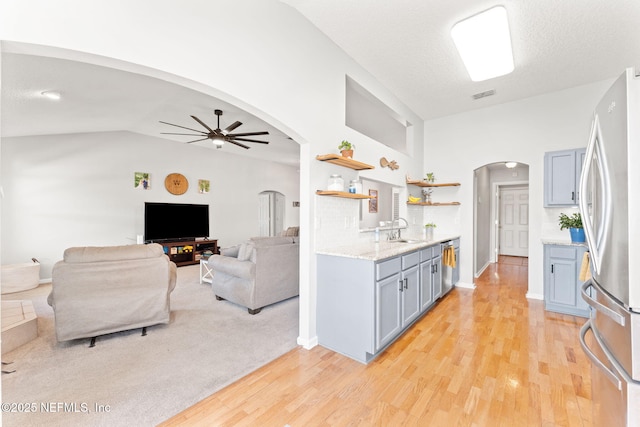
(405, 241)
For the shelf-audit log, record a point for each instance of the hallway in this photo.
(483, 357)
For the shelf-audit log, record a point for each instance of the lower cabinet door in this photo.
(436, 278)
(388, 306)
(426, 287)
(410, 295)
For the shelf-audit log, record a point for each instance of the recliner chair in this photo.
(100, 290)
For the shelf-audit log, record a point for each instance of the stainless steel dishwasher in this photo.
(447, 270)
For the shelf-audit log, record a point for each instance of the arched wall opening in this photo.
(501, 213)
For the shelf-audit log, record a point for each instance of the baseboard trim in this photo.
(307, 344)
(479, 273)
(535, 296)
(465, 285)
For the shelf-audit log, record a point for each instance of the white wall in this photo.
(77, 190)
(283, 70)
(520, 131)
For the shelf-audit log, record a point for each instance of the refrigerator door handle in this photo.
(616, 317)
(593, 242)
(608, 373)
(584, 188)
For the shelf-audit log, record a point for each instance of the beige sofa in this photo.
(257, 273)
(100, 290)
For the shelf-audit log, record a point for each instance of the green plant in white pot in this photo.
(574, 224)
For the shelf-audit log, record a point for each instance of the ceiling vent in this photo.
(484, 94)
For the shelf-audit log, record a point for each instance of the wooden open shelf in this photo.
(428, 184)
(343, 194)
(434, 204)
(344, 161)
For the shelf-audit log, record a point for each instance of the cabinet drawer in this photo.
(409, 260)
(565, 252)
(456, 243)
(437, 251)
(425, 254)
(388, 268)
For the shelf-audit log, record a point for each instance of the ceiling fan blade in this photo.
(203, 124)
(183, 127)
(186, 134)
(231, 127)
(248, 134)
(189, 142)
(238, 144)
(248, 140)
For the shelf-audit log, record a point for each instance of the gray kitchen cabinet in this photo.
(364, 305)
(430, 275)
(562, 171)
(410, 288)
(388, 310)
(562, 285)
(397, 297)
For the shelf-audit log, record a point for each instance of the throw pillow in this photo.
(244, 254)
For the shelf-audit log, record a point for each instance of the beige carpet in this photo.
(128, 379)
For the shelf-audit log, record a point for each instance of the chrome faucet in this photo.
(396, 236)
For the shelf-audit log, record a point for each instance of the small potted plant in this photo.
(430, 178)
(574, 224)
(428, 230)
(346, 148)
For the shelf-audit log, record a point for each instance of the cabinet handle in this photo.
(406, 283)
(573, 195)
(551, 268)
(400, 281)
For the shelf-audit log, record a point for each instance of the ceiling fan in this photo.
(218, 136)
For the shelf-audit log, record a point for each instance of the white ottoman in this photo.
(19, 277)
(19, 324)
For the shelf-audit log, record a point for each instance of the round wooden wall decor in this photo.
(176, 183)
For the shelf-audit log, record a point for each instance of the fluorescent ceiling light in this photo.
(511, 165)
(484, 43)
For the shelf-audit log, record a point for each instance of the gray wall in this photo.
(76, 190)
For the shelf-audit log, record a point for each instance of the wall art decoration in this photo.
(373, 201)
(142, 180)
(176, 184)
(203, 186)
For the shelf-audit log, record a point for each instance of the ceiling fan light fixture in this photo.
(218, 141)
(484, 44)
(51, 94)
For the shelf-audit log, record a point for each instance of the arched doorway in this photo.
(501, 213)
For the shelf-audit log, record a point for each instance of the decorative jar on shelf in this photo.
(336, 183)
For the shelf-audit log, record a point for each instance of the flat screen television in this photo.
(175, 221)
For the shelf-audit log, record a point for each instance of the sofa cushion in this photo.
(112, 253)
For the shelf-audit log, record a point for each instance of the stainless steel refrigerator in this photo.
(610, 207)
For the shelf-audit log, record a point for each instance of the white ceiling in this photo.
(101, 99)
(405, 44)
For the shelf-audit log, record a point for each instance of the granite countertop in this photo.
(556, 241)
(383, 249)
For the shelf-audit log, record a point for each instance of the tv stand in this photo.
(188, 251)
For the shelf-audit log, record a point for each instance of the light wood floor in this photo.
(483, 357)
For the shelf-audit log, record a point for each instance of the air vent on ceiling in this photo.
(484, 94)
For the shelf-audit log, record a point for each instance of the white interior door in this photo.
(514, 221)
